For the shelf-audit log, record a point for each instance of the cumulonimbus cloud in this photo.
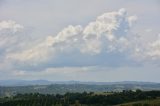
(110, 32)
(98, 36)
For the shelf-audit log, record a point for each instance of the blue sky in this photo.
(84, 40)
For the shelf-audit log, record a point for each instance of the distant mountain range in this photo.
(46, 82)
(24, 82)
(13, 87)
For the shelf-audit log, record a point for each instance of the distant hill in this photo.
(24, 82)
(8, 88)
(46, 82)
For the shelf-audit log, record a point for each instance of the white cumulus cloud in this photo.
(10, 25)
(107, 33)
(110, 32)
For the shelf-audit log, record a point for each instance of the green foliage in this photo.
(81, 99)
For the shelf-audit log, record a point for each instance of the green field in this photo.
(153, 102)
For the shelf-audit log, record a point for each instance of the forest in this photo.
(81, 99)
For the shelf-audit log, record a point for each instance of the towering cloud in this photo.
(104, 34)
(110, 32)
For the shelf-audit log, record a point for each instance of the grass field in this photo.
(155, 102)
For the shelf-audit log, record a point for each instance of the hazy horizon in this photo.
(80, 40)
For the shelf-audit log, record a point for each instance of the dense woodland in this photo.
(79, 99)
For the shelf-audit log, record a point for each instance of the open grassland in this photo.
(153, 102)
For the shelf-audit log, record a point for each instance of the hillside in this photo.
(153, 102)
(71, 87)
(85, 99)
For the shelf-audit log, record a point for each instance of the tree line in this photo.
(78, 99)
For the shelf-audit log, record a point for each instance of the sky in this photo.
(81, 40)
